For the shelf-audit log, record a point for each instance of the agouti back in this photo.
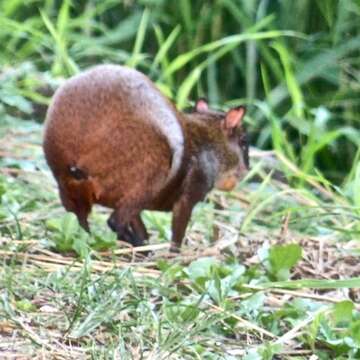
(112, 138)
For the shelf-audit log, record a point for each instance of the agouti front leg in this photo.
(196, 185)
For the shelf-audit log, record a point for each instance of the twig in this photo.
(30, 334)
(97, 265)
(295, 293)
(131, 250)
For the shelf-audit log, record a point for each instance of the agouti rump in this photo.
(112, 138)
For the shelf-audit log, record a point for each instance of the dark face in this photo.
(236, 160)
(241, 140)
(238, 168)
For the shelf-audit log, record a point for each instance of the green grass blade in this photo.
(292, 84)
(63, 19)
(62, 59)
(187, 85)
(183, 59)
(139, 41)
(352, 283)
(194, 76)
(161, 56)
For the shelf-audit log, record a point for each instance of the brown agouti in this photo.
(112, 138)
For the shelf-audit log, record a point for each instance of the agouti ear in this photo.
(233, 118)
(201, 106)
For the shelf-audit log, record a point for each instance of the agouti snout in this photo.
(112, 138)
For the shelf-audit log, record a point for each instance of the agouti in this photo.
(111, 138)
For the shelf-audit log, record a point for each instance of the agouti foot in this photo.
(147, 253)
(112, 224)
(125, 232)
(174, 249)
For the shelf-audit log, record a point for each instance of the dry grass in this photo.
(43, 327)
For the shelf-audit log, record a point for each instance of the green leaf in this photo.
(17, 101)
(253, 303)
(252, 354)
(104, 241)
(80, 246)
(343, 311)
(190, 313)
(215, 288)
(201, 268)
(313, 330)
(54, 224)
(355, 332)
(69, 225)
(25, 305)
(283, 257)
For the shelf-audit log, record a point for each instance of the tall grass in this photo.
(295, 64)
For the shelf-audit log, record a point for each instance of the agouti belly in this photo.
(112, 138)
(123, 161)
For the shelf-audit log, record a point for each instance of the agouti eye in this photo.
(244, 145)
(243, 141)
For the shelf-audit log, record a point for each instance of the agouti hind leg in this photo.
(139, 227)
(134, 232)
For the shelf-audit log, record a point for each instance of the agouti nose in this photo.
(227, 184)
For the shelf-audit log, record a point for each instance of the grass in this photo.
(267, 272)
(270, 270)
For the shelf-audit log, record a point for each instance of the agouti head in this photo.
(231, 140)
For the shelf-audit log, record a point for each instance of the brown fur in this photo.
(114, 126)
